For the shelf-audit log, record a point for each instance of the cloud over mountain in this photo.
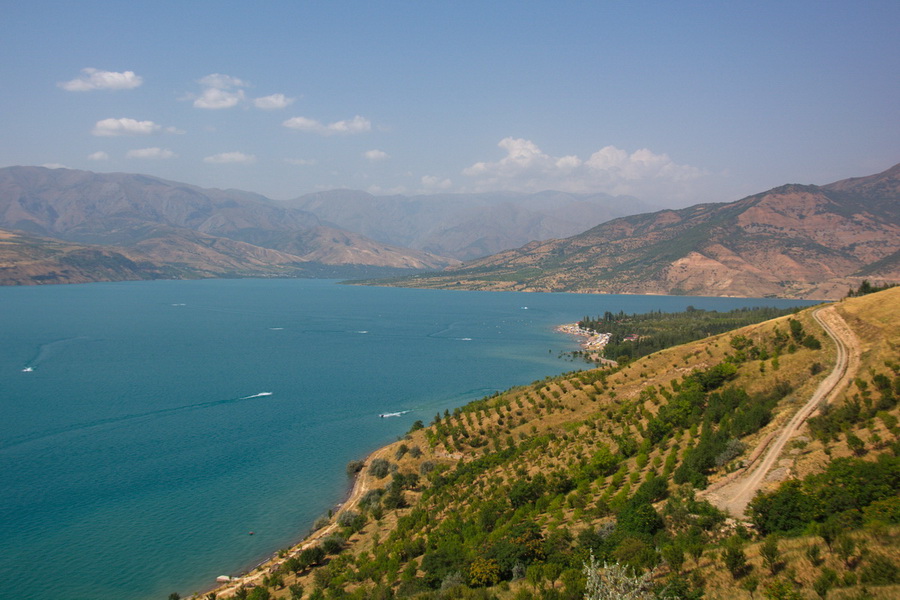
(527, 168)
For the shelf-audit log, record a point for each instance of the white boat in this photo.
(28, 369)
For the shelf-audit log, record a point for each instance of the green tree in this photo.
(750, 583)
(734, 557)
(552, 571)
(770, 554)
(535, 575)
(484, 572)
(673, 554)
(826, 580)
(782, 590)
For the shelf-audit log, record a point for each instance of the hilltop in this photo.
(794, 241)
(510, 496)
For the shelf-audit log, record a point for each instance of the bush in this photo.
(380, 468)
(333, 544)
(354, 467)
(351, 520)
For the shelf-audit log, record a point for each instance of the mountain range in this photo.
(64, 226)
(180, 230)
(151, 228)
(792, 241)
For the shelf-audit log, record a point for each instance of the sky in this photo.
(673, 102)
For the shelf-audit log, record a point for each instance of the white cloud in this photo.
(222, 82)
(357, 124)
(301, 162)
(376, 155)
(100, 155)
(113, 127)
(273, 102)
(94, 79)
(175, 130)
(222, 91)
(230, 157)
(55, 166)
(215, 98)
(432, 183)
(612, 170)
(151, 153)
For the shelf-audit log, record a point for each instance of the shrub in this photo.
(380, 468)
(333, 544)
(354, 467)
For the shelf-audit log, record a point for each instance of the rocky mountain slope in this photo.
(792, 241)
(32, 259)
(211, 232)
(466, 226)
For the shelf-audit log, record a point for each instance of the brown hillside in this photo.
(792, 241)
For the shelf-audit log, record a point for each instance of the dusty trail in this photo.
(735, 492)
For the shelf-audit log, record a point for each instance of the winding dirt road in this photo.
(735, 492)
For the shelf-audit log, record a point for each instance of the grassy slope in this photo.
(558, 425)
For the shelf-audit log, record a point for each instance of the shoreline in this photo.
(254, 575)
(594, 342)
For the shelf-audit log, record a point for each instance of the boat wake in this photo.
(394, 414)
(39, 435)
(48, 350)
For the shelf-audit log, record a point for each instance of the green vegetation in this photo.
(634, 336)
(867, 288)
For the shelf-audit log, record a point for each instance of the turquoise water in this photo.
(162, 421)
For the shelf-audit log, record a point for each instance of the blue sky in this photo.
(674, 102)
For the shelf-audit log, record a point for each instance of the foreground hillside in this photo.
(510, 496)
(796, 241)
(186, 230)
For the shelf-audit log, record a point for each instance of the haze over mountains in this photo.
(467, 226)
(792, 241)
(796, 240)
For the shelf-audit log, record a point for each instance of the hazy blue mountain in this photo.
(466, 226)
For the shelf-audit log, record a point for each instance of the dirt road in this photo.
(734, 493)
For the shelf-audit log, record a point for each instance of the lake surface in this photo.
(147, 427)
